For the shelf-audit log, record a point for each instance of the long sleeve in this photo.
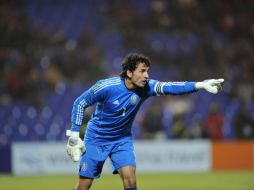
(175, 88)
(88, 98)
(78, 110)
(171, 88)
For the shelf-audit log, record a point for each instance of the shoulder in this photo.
(152, 82)
(104, 84)
(111, 79)
(151, 87)
(147, 89)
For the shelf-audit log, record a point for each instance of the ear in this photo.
(129, 73)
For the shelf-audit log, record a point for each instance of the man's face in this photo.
(139, 76)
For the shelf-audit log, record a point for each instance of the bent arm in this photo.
(88, 98)
(78, 110)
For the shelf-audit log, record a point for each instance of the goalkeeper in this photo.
(108, 132)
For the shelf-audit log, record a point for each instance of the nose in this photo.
(146, 75)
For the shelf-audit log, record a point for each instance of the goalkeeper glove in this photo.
(211, 85)
(75, 146)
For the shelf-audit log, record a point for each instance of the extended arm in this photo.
(174, 88)
(177, 88)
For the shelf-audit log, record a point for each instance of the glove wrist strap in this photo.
(70, 133)
(199, 85)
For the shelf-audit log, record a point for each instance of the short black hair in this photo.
(131, 62)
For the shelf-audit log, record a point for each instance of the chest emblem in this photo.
(134, 99)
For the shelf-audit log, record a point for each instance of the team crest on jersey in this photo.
(83, 167)
(134, 99)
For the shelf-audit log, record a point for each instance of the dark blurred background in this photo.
(52, 51)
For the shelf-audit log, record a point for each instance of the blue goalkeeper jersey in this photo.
(117, 107)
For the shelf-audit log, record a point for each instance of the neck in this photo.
(129, 84)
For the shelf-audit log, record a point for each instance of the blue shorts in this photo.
(121, 154)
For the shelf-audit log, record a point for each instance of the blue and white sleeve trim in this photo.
(78, 112)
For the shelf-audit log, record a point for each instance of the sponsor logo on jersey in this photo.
(116, 102)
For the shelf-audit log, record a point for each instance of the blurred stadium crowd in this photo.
(51, 51)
